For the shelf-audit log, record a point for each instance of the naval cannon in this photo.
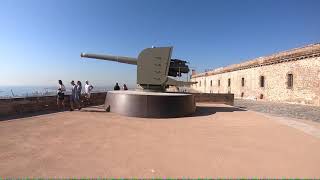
(154, 67)
(155, 72)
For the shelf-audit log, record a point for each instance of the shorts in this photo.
(60, 96)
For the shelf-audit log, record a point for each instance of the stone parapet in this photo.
(214, 98)
(21, 106)
(17, 106)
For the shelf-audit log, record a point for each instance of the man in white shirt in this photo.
(88, 88)
(60, 96)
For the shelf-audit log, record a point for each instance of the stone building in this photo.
(291, 76)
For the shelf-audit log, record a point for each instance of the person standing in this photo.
(116, 87)
(73, 96)
(78, 93)
(125, 87)
(60, 95)
(87, 88)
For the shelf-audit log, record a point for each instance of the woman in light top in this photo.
(60, 95)
(75, 95)
(78, 93)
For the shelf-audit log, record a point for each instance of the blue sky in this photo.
(41, 40)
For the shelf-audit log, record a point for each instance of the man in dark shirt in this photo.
(116, 87)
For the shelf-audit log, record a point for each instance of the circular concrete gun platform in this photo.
(150, 104)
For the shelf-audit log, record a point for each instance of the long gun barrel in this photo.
(120, 59)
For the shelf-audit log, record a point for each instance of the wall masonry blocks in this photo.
(302, 64)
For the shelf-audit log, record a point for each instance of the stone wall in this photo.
(16, 106)
(21, 106)
(305, 89)
(214, 98)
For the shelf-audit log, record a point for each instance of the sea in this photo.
(31, 91)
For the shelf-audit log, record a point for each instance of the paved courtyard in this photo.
(281, 109)
(218, 141)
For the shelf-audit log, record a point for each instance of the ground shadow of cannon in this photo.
(209, 110)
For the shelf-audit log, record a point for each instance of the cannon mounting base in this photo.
(150, 104)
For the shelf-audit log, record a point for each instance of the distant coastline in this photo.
(27, 91)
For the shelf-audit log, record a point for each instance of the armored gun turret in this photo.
(154, 67)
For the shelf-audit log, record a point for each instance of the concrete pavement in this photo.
(218, 141)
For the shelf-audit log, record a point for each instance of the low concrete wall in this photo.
(19, 106)
(214, 98)
(16, 106)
